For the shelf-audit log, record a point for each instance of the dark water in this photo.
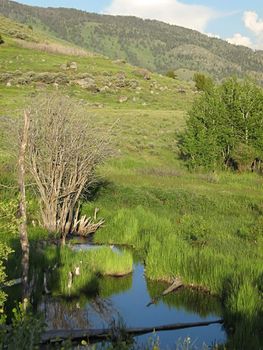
(124, 301)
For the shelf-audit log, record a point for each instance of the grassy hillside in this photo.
(27, 65)
(150, 44)
(204, 227)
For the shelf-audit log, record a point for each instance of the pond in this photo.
(126, 301)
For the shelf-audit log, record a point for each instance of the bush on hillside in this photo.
(203, 82)
(171, 74)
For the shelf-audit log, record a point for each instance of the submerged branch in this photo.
(177, 284)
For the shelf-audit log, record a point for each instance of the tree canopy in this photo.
(225, 127)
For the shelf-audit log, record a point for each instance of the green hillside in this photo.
(29, 63)
(151, 44)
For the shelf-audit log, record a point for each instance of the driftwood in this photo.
(110, 334)
(84, 226)
(177, 283)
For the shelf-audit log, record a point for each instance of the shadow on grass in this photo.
(91, 194)
(45, 277)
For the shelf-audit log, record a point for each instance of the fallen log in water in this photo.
(177, 283)
(110, 334)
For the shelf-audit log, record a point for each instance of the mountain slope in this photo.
(147, 43)
(31, 61)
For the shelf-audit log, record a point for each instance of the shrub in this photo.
(59, 131)
(171, 74)
(202, 82)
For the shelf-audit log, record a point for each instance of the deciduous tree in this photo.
(65, 149)
(220, 122)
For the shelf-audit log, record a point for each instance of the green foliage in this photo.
(203, 82)
(199, 144)
(244, 299)
(4, 252)
(8, 27)
(25, 330)
(243, 156)
(8, 225)
(224, 124)
(8, 217)
(192, 233)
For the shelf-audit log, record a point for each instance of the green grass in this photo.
(204, 227)
(91, 264)
(17, 63)
(212, 239)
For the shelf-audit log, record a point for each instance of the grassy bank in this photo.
(208, 233)
(78, 270)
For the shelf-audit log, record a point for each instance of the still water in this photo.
(126, 301)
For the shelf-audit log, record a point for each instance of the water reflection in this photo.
(186, 299)
(126, 299)
(83, 311)
(174, 308)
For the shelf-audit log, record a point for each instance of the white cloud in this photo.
(239, 39)
(169, 11)
(255, 25)
(253, 22)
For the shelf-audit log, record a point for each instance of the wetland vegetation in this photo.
(202, 224)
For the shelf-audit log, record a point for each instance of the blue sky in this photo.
(238, 21)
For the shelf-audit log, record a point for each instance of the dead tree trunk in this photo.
(22, 206)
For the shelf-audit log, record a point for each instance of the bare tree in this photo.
(65, 149)
(22, 206)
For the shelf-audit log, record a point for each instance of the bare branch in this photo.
(65, 149)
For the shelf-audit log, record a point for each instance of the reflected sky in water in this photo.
(124, 300)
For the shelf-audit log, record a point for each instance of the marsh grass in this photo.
(212, 240)
(86, 267)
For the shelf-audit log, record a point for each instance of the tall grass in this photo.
(212, 241)
(78, 271)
